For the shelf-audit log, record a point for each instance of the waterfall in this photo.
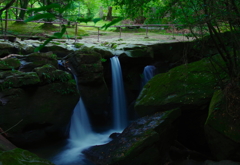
(148, 73)
(81, 137)
(80, 125)
(118, 95)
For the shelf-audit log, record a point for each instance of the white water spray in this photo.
(80, 126)
(81, 137)
(118, 95)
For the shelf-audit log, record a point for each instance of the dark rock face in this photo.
(18, 156)
(86, 65)
(145, 142)
(222, 125)
(36, 104)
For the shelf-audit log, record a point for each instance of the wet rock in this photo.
(87, 66)
(9, 64)
(191, 85)
(144, 142)
(31, 61)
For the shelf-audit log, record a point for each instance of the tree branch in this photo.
(7, 6)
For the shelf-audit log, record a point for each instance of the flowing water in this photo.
(81, 137)
(148, 73)
(81, 134)
(118, 96)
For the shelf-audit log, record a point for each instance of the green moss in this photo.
(190, 84)
(17, 79)
(78, 45)
(48, 73)
(9, 63)
(19, 157)
(65, 88)
(220, 120)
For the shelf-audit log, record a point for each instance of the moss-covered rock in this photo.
(145, 142)
(87, 66)
(18, 79)
(223, 128)
(21, 157)
(40, 112)
(31, 61)
(9, 64)
(186, 85)
(60, 49)
(49, 73)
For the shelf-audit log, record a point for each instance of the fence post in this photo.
(173, 31)
(76, 31)
(120, 29)
(98, 34)
(146, 32)
(6, 25)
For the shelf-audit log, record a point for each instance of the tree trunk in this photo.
(109, 14)
(23, 4)
(49, 20)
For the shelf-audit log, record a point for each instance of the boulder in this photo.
(17, 79)
(31, 61)
(19, 156)
(36, 105)
(144, 142)
(9, 64)
(187, 86)
(222, 127)
(86, 65)
(7, 48)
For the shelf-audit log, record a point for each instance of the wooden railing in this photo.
(173, 26)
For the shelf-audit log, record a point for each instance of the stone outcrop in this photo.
(36, 103)
(222, 125)
(19, 156)
(188, 86)
(87, 66)
(144, 142)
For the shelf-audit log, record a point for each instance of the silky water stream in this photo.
(81, 135)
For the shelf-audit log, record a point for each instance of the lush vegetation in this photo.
(201, 17)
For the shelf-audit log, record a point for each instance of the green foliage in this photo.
(103, 60)
(40, 16)
(86, 20)
(113, 22)
(45, 8)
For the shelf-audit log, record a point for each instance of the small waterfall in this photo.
(81, 137)
(80, 125)
(118, 95)
(148, 73)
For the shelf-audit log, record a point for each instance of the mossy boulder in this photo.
(7, 48)
(49, 73)
(58, 48)
(87, 66)
(9, 64)
(31, 61)
(39, 113)
(17, 79)
(222, 127)
(144, 142)
(189, 85)
(21, 157)
(39, 101)
(136, 51)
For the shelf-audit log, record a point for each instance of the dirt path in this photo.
(133, 37)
